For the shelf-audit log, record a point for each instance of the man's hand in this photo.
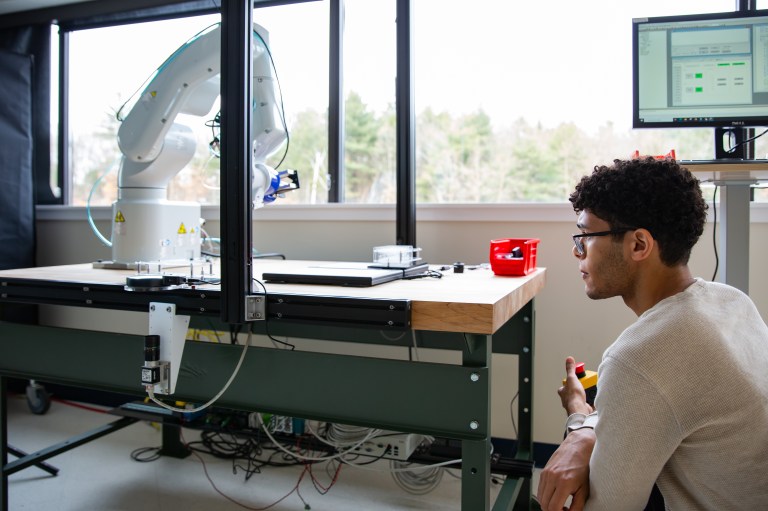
(572, 395)
(567, 473)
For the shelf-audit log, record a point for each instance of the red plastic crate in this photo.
(505, 259)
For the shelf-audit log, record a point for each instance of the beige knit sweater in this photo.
(683, 401)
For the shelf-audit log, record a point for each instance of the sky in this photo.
(510, 59)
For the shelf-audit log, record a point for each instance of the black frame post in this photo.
(63, 168)
(336, 102)
(3, 443)
(406, 128)
(236, 157)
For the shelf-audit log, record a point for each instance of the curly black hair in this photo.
(658, 195)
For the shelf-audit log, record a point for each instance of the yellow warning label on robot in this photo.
(182, 229)
(119, 217)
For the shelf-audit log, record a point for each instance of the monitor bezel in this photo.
(735, 122)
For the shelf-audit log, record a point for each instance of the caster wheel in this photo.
(38, 400)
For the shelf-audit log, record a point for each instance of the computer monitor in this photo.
(704, 70)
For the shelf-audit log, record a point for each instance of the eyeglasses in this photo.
(578, 239)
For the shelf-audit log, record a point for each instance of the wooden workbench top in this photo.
(476, 301)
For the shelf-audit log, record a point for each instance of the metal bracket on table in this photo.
(172, 330)
(343, 311)
(255, 308)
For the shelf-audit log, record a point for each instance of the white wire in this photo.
(88, 207)
(415, 346)
(417, 483)
(419, 467)
(207, 239)
(344, 435)
(364, 466)
(311, 458)
(215, 398)
(384, 335)
(316, 435)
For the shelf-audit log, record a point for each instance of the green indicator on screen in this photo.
(699, 75)
(699, 89)
(724, 64)
(739, 63)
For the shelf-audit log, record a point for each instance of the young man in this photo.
(682, 398)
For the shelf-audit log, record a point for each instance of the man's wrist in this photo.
(580, 421)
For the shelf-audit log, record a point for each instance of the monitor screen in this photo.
(700, 70)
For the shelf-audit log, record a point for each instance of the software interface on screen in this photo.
(698, 72)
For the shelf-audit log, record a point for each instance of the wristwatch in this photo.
(579, 421)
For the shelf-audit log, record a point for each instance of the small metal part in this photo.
(157, 375)
(153, 282)
(150, 375)
(474, 425)
(144, 283)
(474, 377)
(255, 308)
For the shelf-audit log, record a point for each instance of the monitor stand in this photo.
(735, 198)
(734, 144)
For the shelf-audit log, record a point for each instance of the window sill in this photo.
(519, 212)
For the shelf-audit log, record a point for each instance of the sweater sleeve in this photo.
(636, 435)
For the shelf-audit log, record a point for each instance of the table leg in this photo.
(475, 474)
(172, 444)
(525, 415)
(3, 444)
(42, 465)
(476, 454)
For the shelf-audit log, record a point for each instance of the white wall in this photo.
(567, 322)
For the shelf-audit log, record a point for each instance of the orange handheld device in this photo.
(588, 380)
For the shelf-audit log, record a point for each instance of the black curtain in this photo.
(35, 42)
(17, 218)
(16, 197)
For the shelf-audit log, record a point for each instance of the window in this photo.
(299, 35)
(370, 56)
(513, 103)
(109, 66)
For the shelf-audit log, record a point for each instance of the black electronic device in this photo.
(702, 70)
(343, 274)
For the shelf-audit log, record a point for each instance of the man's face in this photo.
(603, 266)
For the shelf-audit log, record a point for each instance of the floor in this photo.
(101, 475)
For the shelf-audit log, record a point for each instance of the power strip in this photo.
(390, 445)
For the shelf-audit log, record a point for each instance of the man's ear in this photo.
(642, 244)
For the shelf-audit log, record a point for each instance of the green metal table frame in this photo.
(453, 401)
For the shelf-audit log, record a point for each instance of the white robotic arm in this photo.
(146, 226)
